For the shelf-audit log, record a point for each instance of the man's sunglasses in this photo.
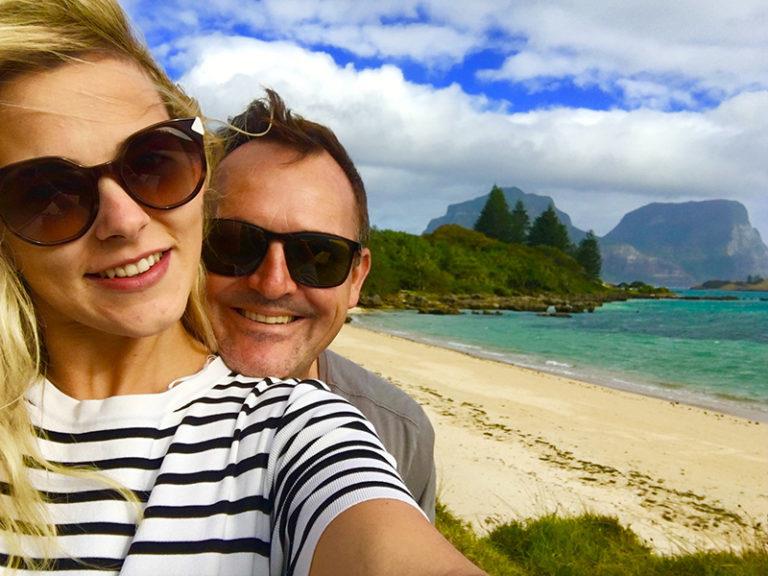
(314, 259)
(52, 200)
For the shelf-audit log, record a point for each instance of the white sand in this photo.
(514, 443)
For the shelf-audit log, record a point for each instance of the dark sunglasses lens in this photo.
(318, 261)
(164, 168)
(233, 249)
(48, 203)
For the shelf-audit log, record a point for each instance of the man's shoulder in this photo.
(361, 386)
(401, 424)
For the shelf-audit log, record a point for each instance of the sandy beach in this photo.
(514, 443)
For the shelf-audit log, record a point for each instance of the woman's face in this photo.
(132, 271)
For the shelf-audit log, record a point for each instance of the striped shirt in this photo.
(235, 475)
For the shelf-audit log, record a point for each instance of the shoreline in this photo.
(738, 407)
(516, 443)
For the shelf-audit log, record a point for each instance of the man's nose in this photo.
(272, 278)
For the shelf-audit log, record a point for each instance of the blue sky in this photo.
(604, 106)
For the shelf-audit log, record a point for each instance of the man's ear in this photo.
(358, 275)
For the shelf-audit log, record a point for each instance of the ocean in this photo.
(709, 353)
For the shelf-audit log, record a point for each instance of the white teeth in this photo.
(133, 269)
(267, 319)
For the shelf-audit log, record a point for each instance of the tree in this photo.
(520, 223)
(495, 221)
(588, 255)
(547, 230)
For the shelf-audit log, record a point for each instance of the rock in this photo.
(555, 314)
(374, 301)
(440, 310)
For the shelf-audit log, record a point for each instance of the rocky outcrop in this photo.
(491, 304)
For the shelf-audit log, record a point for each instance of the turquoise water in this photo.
(703, 352)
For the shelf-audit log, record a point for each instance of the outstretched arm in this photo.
(384, 537)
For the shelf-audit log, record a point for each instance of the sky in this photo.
(603, 106)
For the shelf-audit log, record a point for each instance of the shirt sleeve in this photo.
(325, 459)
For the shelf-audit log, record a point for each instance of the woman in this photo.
(125, 447)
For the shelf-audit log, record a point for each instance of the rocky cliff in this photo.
(681, 244)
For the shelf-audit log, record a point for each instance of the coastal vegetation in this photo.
(547, 230)
(497, 222)
(456, 268)
(586, 545)
(588, 255)
(506, 262)
(453, 259)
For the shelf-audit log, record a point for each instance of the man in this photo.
(286, 258)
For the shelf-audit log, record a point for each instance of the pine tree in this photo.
(547, 230)
(588, 255)
(520, 223)
(495, 221)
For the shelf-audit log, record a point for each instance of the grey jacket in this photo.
(400, 422)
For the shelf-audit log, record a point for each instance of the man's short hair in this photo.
(282, 126)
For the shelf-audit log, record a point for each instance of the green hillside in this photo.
(455, 260)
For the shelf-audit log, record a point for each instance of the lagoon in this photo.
(711, 353)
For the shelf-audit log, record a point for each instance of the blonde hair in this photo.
(38, 35)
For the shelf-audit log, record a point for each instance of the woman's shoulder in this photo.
(269, 396)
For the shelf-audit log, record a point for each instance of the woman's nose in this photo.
(120, 216)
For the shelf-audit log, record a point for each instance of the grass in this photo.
(477, 549)
(587, 545)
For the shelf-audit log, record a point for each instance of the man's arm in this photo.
(384, 537)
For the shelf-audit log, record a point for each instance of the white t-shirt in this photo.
(236, 475)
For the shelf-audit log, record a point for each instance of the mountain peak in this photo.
(685, 242)
(466, 213)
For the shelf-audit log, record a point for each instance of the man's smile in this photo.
(266, 319)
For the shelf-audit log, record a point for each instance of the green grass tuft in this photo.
(586, 545)
(478, 550)
(749, 563)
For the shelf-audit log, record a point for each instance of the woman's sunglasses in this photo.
(52, 200)
(314, 259)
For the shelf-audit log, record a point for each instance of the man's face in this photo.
(267, 324)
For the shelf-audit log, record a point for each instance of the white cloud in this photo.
(423, 42)
(386, 29)
(292, 12)
(420, 148)
(654, 95)
(693, 46)
(699, 50)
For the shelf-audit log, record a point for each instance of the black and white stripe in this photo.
(235, 475)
